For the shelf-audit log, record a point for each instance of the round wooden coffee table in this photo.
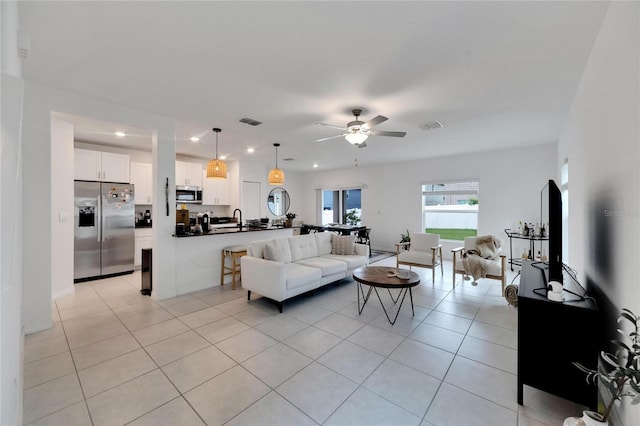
(378, 277)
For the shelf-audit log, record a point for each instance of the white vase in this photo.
(589, 418)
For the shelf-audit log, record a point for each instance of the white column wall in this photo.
(11, 330)
(37, 208)
(62, 218)
(163, 258)
(601, 139)
(510, 184)
(11, 224)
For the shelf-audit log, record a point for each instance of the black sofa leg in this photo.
(248, 294)
(280, 305)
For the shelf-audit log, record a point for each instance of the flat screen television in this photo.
(551, 217)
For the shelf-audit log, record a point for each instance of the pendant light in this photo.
(217, 168)
(276, 176)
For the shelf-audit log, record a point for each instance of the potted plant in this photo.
(405, 240)
(621, 371)
(352, 217)
(289, 222)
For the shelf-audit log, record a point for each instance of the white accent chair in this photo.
(424, 251)
(495, 268)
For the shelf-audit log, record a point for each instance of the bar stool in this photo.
(234, 253)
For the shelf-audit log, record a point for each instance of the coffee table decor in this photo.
(385, 277)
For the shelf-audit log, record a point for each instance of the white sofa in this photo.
(281, 268)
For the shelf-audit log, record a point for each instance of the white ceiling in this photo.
(496, 74)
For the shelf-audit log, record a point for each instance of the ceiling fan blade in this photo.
(374, 121)
(362, 145)
(331, 125)
(330, 137)
(387, 133)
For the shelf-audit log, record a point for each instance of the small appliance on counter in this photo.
(203, 221)
(221, 222)
(257, 223)
(182, 216)
(143, 220)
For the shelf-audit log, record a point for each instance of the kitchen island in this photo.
(198, 256)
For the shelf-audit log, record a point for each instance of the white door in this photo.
(251, 200)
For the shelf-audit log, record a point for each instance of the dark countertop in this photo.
(218, 231)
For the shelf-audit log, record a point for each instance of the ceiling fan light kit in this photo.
(357, 132)
(356, 138)
(276, 176)
(217, 168)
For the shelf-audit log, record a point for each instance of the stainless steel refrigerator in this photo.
(104, 235)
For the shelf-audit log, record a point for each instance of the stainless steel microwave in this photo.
(188, 194)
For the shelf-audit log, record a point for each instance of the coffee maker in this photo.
(203, 220)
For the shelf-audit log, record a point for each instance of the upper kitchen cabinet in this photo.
(100, 166)
(215, 191)
(188, 173)
(142, 178)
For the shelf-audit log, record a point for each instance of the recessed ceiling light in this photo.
(223, 157)
(194, 139)
(315, 165)
(121, 134)
(250, 150)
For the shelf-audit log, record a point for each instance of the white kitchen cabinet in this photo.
(188, 173)
(142, 178)
(143, 240)
(100, 166)
(215, 191)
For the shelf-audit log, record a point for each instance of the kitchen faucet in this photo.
(234, 216)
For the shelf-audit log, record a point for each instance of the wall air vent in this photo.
(250, 121)
(288, 159)
(431, 125)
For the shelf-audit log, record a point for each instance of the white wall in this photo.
(11, 224)
(601, 139)
(61, 187)
(11, 330)
(510, 184)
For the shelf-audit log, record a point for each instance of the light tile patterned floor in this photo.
(115, 357)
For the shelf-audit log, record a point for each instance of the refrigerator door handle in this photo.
(99, 221)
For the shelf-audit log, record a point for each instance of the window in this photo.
(451, 209)
(339, 204)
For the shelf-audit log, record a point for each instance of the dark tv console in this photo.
(552, 335)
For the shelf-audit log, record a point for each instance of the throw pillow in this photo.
(343, 244)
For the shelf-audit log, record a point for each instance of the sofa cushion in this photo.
(352, 260)
(343, 244)
(415, 256)
(256, 248)
(326, 265)
(424, 242)
(493, 267)
(323, 242)
(277, 250)
(302, 247)
(301, 275)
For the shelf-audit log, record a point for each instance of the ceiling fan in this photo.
(357, 131)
